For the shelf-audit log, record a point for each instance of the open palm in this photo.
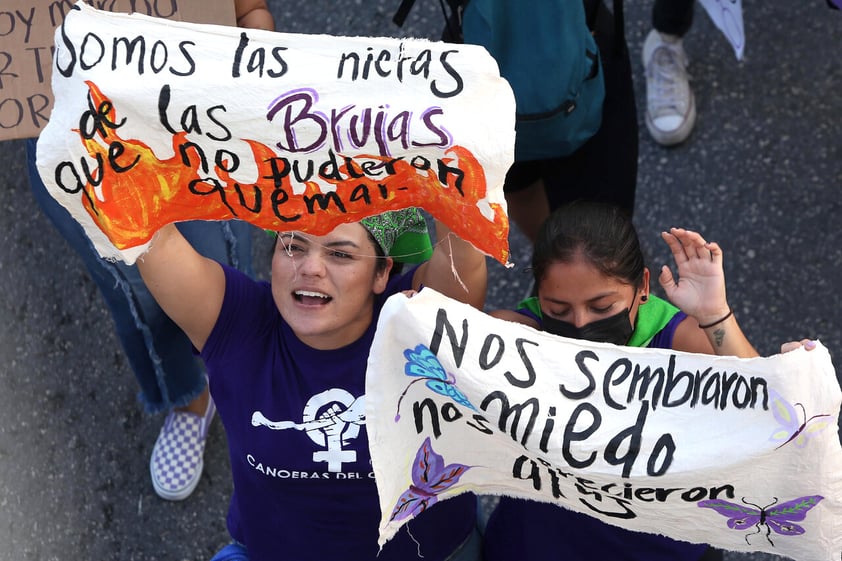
(699, 290)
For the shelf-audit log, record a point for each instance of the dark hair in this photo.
(601, 234)
(381, 256)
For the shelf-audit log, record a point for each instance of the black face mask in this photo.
(616, 329)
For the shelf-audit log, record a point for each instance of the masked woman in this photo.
(592, 284)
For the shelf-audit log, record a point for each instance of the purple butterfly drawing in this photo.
(429, 478)
(421, 362)
(791, 428)
(781, 518)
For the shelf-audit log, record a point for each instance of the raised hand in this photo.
(700, 288)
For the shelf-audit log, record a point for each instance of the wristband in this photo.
(720, 320)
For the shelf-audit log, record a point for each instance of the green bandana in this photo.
(402, 234)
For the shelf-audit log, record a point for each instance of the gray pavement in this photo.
(761, 174)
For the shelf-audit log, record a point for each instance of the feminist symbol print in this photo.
(781, 518)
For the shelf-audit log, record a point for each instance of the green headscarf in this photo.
(402, 234)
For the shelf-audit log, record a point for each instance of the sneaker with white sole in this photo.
(178, 456)
(670, 106)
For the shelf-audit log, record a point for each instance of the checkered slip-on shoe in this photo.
(177, 459)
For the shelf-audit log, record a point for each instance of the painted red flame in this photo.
(136, 193)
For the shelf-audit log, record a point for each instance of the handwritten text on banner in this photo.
(158, 122)
(742, 454)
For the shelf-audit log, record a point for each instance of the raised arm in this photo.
(188, 286)
(700, 293)
(456, 269)
(254, 14)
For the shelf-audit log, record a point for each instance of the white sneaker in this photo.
(670, 106)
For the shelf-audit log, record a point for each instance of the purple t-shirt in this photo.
(294, 418)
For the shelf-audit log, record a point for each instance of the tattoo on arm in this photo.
(718, 336)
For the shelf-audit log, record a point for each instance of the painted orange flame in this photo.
(138, 193)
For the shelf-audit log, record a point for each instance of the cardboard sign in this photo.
(288, 132)
(742, 454)
(26, 47)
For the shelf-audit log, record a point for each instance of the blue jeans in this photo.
(159, 353)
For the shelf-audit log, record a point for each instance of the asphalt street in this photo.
(761, 174)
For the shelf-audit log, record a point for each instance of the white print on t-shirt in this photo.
(329, 427)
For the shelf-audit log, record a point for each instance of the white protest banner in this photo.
(26, 45)
(727, 16)
(158, 122)
(742, 454)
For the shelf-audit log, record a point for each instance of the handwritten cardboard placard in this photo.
(26, 46)
(742, 454)
(288, 132)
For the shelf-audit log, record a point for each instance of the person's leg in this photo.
(612, 154)
(670, 105)
(528, 208)
(159, 353)
(673, 17)
(525, 197)
(227, 242)
(161, 356)
(177, 459)
(604, 169)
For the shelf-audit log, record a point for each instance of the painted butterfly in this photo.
(429, 478)
(781, 518)
(791, 429)
(421, 362)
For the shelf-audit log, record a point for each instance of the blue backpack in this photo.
(547, 53)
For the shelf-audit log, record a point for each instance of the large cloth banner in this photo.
(742, 454)
(26, 44)
(158, 121)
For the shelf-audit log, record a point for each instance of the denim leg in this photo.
(159, 353)
(674, 17)
(227, 242)
(166, 369)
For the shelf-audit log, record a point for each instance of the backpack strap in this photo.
(453, 20)
(403, 10)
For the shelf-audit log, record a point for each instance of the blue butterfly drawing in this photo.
(790, 428)
(430, 476)
(421, 362)
(781, 518)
